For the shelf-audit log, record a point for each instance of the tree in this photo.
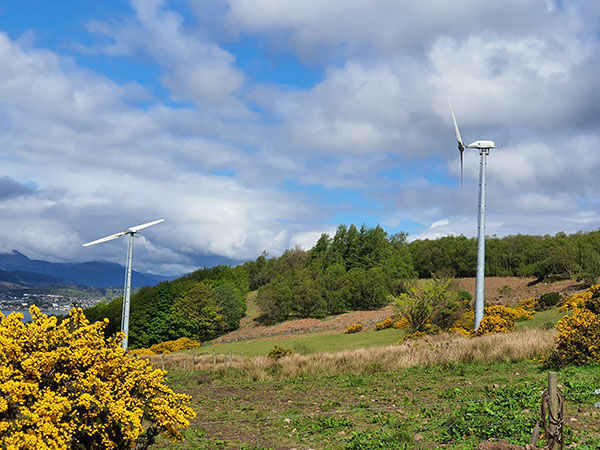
(336, 289)
(232, 304)
(308, 299)
(111, 311)
(259, 271)
(275, 300)
(66, 386)
(368, 288)
(196, 315)
(434, 303)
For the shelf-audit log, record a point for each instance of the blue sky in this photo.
(258, 125)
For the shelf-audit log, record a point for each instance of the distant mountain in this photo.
(20, 278)
(18, 269)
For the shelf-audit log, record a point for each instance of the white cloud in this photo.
(195, 69)
(101, 165)
(439, 223)
(376, 126)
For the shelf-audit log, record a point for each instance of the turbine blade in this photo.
(105, 239)
(461, 145)
(144, 225)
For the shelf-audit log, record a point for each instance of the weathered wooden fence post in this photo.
(163, 360)
(553, 406)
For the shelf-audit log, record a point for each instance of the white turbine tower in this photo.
(127, 290)
(484, 150)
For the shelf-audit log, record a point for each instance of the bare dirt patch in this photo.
(254, 329)
(511, 290)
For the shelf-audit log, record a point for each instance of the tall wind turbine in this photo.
(484, 150)
(127, 290)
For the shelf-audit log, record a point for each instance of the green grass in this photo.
(307, 343)
(542, 319)
(453, 406)
(336, 342)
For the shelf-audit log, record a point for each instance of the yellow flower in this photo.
(66, 383)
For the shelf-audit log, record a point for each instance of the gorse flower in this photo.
(354, 328)
(387, 323)
(496, 319)
(177, 345)
(578, 338)
(65, 385)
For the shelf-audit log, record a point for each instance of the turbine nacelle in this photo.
(481, 144)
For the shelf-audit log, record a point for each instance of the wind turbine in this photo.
(484, 150)
(127, 290)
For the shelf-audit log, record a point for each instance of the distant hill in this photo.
(17, 269)
(20, 278)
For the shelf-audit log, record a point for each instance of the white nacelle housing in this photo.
(481, 144)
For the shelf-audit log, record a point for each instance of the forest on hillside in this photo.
(353, 269)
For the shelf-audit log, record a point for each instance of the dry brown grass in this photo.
(432, 350)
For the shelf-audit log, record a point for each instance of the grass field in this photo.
(361, 392)
(325, 342)
(335, 342)
(542, 319)
(451, 406)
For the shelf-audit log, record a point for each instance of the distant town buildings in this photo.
(48, 303)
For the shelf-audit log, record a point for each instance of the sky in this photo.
(257, 125)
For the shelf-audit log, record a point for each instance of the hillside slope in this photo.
(503, 290)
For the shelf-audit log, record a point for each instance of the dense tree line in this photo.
(575, 256)
(354, 269)
(358, 269)
(200, 305)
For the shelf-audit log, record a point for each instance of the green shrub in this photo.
(548, 300)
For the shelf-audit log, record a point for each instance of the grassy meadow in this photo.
(361, 391)
(304, 344)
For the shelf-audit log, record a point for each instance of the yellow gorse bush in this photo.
(578, 338)
(177, 345)
(65, 385)
(530, 304)
(401, 323)
(388, 322)
(496, 319)
(354, 328)
(577, 300)
(279, 352)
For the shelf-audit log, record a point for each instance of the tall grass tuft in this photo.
(428, 351)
